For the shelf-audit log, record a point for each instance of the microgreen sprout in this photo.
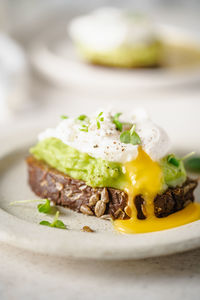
(173, 160)
(193, 164)
(132, 130)
(116, 121)
(56, 223)
(83, 118)
(64, 117)
(84, 128)
(44, 207)
(130, 136)
(99, 119)
(188, 155)
(176, 161)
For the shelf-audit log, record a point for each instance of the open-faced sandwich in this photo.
(112, 37)
(113, 165)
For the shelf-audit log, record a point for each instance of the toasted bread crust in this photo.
(47, 182)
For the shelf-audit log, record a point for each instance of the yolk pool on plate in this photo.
(144, 177)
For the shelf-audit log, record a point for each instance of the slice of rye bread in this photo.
(47, 182)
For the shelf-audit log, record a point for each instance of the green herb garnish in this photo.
(45, 208)
(56, 223)
(42, 208)
(84, 128)
(173, 160)
(116, 121)
(188, 155)
(193, 164)
(83, 118)
(99, 119)
(130, 136)
(64, 117)
(125, 137)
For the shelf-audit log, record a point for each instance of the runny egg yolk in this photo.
(145, 178)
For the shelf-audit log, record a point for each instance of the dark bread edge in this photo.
(47, 182)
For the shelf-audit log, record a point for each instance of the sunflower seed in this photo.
(68, 193)
(87, 229)
(93, 199)
(86, 210)
(44, 182)
(100, 208)
(53, 180)
(188, 187)
(106, 217)
(119, 214)
(59, 186)
(82, 187)
(128, 211)
(186, 203)
(77, 196)
(143, 208)
(104, 196)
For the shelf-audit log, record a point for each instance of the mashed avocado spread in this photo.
(125, 56)
(96, 172)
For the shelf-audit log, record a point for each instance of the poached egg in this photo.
(109, 28)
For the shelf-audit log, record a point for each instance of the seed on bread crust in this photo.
(100, 208)
(86, 210)
(75, 193)
(106, 217)
(104, 195)
(82, 187)
(127, 210)
(93, 199)
(188, 187)
(120, 214)
(43, 183)
(59, 186)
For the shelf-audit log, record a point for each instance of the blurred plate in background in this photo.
(53, 55)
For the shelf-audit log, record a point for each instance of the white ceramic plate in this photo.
(53, 55)
(19, 224)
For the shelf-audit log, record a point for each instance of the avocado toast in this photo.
(113, 166)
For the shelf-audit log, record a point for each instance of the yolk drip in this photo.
(144, 177)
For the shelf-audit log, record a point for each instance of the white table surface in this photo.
(24, 275)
